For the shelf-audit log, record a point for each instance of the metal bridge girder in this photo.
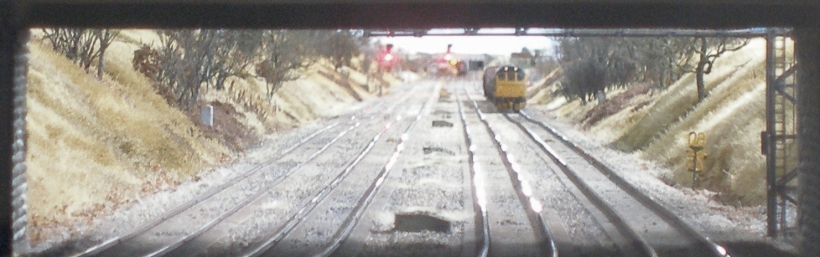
(550, 32)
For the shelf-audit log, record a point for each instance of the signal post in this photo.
(696, 155)
(386, 60)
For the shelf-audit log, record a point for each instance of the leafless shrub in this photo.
(592, 65)
(595, 64)
(82, 46)
(285, 56)
(187, 60)
(707, 50)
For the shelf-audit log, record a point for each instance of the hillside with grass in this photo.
(98, 144)
(654, 123)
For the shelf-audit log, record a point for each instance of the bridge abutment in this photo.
(7, 39)
(807, 50)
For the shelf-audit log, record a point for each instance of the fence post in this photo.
(206, 114)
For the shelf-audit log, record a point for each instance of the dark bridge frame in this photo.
(16, 16)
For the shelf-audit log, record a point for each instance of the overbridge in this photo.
(553, 32)
(416, 17)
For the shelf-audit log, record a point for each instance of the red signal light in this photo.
(387, 60)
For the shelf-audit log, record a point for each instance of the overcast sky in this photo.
(493, 45)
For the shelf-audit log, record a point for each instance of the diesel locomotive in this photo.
(506, 87)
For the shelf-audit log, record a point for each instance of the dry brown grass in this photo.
(615, 104)
(732, 118)
(94, 145)
(676, 103)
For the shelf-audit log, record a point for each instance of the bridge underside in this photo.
(378, 14)
(807, 48)
(16, 16)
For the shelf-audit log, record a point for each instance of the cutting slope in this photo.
(96, 145)
(655, 124)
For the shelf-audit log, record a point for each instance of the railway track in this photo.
(575, 230)
(477, 188)
(319, 228)
(113, 243)
(174, 246)
(311, 203)
(300, 195)
(537, 235)
(425, 205)
(514, 218)
(650, 229)
(661, 231)
(655, 230)
(356, 214)
(161, 235)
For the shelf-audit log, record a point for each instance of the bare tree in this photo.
(77, 44)
(707, 50)
(66, 41)
(591, 65)
(285, 55)
(236, 52)
(340, 46)
(186, 62)
(106, 37)
(188, 59)
(605, 63)
(659, 58)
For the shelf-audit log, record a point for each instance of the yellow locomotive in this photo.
(506, 86)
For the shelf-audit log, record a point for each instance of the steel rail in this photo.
(527, 199)
(477, 188)
(252, 198)
(646, 201)
(176, 245)
(314, 201)
(610, 212)
(185, 206)
(355, 215)
(232, 210)
(318, 198)
(94, 250)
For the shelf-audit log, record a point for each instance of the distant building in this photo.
(524, 59)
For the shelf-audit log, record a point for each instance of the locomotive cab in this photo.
(510, 88)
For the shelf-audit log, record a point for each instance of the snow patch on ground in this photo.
(437, 183)
(275, 205)
(383, 220)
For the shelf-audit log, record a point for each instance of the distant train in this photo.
(506, 87)
(449, 64)
(461, 68)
